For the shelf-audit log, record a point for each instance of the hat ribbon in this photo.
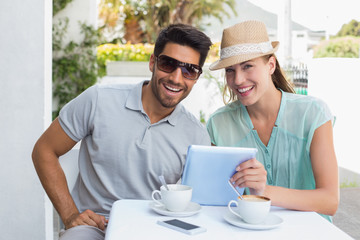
(245, 48)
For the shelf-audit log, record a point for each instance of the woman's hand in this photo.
(251, 174)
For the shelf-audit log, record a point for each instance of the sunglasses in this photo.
(168, 65)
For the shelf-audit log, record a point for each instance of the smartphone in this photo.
(182, 226)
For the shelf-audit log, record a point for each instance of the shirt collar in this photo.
(175, 115)
(134, 102)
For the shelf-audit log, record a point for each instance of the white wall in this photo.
(78, 11)
(300, 42)
(337, 82)
(205, 95)
(25, 110)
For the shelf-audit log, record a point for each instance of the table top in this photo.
(134, 219)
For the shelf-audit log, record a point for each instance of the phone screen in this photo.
(181, 224)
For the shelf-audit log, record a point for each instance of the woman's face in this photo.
(251, 80)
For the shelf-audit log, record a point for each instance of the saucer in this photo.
(192, 209)
(271, 221)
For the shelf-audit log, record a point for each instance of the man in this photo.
(130, 135)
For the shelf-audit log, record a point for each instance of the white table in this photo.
(134, 219)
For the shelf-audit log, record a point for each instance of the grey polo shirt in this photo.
(122, 153)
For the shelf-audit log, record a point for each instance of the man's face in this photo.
(171, 88)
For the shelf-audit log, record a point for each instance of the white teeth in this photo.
(172, 89)
(242, 90)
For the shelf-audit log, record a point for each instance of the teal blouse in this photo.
(287, 155)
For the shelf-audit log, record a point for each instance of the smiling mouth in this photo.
(244, 90)
(172, 89)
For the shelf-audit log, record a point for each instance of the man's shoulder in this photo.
(189, 117)
(119, 91)
(190, 128)
(115, 86)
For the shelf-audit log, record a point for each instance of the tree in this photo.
(143, 20)
(120, 20)
(350, 29)
(165, 12)
(346, 47)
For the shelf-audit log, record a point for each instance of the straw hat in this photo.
(242, 42)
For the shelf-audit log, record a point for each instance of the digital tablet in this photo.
(208, 169)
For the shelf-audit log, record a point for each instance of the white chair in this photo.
(69, 163)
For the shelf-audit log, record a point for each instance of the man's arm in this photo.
(53, 143)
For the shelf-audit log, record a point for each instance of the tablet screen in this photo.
(208, 169)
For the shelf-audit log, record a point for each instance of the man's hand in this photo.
(87, 217)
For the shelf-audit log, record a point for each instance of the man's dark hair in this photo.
(185, 35)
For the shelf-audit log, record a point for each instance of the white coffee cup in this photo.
(253, 209)
(176, 199)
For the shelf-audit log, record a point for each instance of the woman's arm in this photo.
(325, 198)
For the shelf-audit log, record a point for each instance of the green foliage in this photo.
(347, 184)
(161, 13)
(59, 5)
(350, 29)
(120, 52)
(214, 53)
(202, 117)
(142, 20)
(74, 65)
(344, 47)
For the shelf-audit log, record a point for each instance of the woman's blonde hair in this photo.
(278, 78)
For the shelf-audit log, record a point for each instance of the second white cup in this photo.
(253, 209)
(176, 199)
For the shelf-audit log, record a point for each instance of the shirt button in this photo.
(270, 182)
(268, 166)
(266, 151)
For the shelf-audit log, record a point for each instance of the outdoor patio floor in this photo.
(347, 217)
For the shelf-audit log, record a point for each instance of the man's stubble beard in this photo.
(170, 103)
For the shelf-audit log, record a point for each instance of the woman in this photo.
(296, 166)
